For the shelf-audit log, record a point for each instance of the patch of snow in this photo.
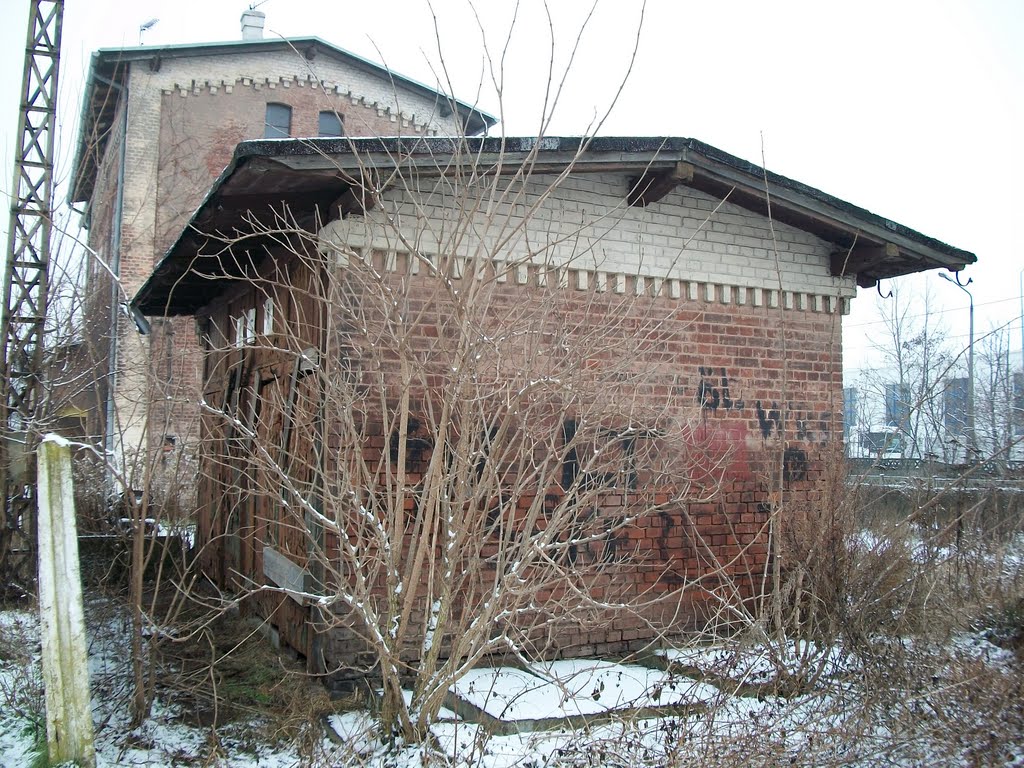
(20, 686)
(53, 437)
(613, 685)
(468, 744)
(574, 687)
(758, 664)
(514, 694)
(428, 637)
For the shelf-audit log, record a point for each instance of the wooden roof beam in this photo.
(863, 261)
(654, 185)
(357, 199)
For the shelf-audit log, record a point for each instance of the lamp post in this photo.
(1020, 416)
(145, 27)
(971, 436)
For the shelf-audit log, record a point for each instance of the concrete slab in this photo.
(572, 693)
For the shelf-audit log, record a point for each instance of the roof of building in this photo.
(312, 175)
(109, 66)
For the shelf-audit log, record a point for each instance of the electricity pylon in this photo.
(26, 284)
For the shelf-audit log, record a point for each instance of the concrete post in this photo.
(69, 730)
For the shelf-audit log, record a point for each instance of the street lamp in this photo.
(971, 437)
(145, 27)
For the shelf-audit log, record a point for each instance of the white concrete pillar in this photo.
(69, 731)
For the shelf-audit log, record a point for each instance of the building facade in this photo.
(625, 310)
(158, 126)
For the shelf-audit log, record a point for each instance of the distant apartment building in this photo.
(899, 421)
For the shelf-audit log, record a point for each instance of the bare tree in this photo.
(141, 498)
(461, 448)
(997, 437)
(907, 389)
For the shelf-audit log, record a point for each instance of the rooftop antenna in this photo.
(147, 25)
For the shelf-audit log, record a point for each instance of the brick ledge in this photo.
(580, 279)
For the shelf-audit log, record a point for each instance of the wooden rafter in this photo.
(654, 185)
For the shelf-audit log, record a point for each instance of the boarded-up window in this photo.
(278, 122)
(330, 124)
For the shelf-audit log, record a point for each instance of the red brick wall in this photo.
(753, 391)
(198, 135)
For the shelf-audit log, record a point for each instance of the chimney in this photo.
(252, 24)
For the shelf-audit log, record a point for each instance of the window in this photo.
(268, 317)
(954, 403)
(897, 405)
(571, 459)
(279, 121)
(331, 124)
(245, 327)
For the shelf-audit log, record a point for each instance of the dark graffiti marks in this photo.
(713, 390)
(776, 419)
(794, 464)
(667, 523)
(769, 420)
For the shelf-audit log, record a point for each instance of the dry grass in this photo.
(925, 611)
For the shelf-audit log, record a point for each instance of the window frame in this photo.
(330, 114)
(274, 126)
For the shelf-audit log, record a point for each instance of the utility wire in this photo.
(934, 312)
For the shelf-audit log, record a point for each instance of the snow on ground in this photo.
(759, 664)
(574, 688)
(615, 686)
(19, 692)
(832, 725)
(163, 740)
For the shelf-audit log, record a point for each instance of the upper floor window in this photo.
(245, 327)
(331, 124)
(279, 121)
(268, 316)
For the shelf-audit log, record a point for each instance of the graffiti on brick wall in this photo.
(713, 390)
(716, 392)
(769, 419)
(794, 464)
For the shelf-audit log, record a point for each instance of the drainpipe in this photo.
(115, 269)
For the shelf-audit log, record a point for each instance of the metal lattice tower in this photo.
(25, 290)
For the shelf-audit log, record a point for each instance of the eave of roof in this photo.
(108, 67)
(310, 175)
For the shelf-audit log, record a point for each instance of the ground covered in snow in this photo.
(896, 703)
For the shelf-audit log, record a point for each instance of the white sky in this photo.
(913, 109)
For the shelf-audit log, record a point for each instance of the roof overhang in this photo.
(312, 179)
(108, 75)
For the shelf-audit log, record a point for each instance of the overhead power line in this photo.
(933, 312)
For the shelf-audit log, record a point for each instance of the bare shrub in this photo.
(21, 694)
(464, 462)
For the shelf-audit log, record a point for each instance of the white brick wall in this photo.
(587, 225)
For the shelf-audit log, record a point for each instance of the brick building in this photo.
(158, 126)
(673, 351)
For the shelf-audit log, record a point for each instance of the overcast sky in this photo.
(911, 109)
